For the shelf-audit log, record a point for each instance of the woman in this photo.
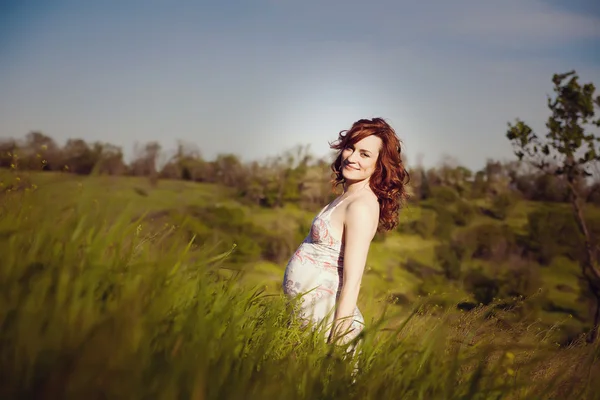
(327, 268)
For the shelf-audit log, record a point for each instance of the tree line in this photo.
(296, 176)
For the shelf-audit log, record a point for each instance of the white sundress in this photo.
(317, 267)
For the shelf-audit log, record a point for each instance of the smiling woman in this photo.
(326, 270)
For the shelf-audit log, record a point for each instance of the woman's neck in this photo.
(353, 187)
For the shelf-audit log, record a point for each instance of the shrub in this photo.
(483, 288)
(521, 279)
(229, 226)
(405, 227)
(448, 260)
(423, 226)
(549, 188)
(486, 241)
(444, 223)
(552, 233)
(444, 195)
(464, 213)
(380, 237)
(278, 247)
(419, 269)
(518, 277)
(502, 204)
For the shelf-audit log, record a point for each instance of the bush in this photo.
(510, 284)
(502, 204)
(444, 223)
(423, 226)
(419, 269)
(486, 241)
(464, 213)
(405, 227)
(379, 237)
(448, 260)
(521, 280)
(227, 226)
(444, 195)
(518, 277)
(549, 188)
(483, 288)
(277, 247)
(593, 194)
(552, 233)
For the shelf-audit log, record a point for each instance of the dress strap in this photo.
(330, 210)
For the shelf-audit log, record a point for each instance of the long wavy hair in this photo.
(390, 177)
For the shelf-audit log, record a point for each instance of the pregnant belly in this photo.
(307, 271)
(317, 256)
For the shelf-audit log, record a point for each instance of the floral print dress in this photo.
(315, 272)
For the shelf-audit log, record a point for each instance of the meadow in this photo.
(117, 287)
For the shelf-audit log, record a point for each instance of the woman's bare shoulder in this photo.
(364, 207)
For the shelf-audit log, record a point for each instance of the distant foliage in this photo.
(109, 310)
(553, 232)
(444, 195)
(484, 288)
(294, 177)
(486, 241)
(464, 213)
(449, 260)
(424, 225)
(229, 226)
(444, 222)
(568, 153)
(502, 204)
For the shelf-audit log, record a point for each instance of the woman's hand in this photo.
(342, 331)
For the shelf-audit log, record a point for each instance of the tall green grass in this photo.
(96, 305)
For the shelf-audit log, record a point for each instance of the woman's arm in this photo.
(360, 226)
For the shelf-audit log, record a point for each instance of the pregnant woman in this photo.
(327, 269)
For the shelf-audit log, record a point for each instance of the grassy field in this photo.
(109, 293)
(130, 198)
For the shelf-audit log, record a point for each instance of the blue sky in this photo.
(256, 78)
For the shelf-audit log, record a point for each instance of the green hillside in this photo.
(120, 287)
(402, 265)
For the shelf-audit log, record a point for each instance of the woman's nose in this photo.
(351, 157)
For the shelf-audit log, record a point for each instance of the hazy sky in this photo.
(257, 77)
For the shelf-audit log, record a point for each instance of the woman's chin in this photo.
(348, 175)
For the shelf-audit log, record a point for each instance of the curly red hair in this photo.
(390, 178)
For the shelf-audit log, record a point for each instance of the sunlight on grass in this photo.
(99, 305)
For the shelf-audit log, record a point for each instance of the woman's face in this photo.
(359, 160)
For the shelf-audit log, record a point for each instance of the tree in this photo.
(79, 157)
(568, 151)
(292, 168)
(187, 164)
(228, 170)
(145, 162)
(453, 174)
(111, 159)
(7, 153)
(41, 152)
